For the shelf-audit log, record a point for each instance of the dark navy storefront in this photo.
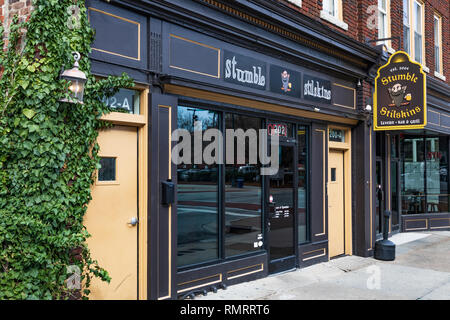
(239, 66)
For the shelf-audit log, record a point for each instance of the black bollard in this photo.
(385, 249)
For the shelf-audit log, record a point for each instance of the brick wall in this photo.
(10, 8)
(356, 16)
(442, 8)
(2, 13)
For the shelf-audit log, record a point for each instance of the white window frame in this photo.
(422, 31)
(298, 3)
(336, 17)
(382, 13)
(438, 34)
(386, 24)
(407, 23)
(412, 29)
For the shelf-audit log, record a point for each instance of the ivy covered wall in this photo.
(48, 152)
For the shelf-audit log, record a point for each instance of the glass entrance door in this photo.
(281, 221)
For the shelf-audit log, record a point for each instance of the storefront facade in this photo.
(203, 67)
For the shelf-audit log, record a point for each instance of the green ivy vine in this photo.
(48, 153)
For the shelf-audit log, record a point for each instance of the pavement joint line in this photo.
(434, 289)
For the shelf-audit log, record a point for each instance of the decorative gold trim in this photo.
(316, 256)
(124, 19)
(200, 44)
(439, 117)
(354, 97)
(246, 102)
(371, 190)
(442, 114)
(125, 119)
(443, 227)
(389, 191)
(247, 273)
(169, 256)
(409, 220)
(324, 182)
(143, 194)
(200, 285)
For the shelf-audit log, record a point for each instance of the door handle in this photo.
(133, 222)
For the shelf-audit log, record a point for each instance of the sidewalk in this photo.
(421, 270)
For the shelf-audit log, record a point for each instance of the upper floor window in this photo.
(332, 11)
(418, 13)
(296, 2)
(406, 27)
(384, 22)
(414, 30)
(438, 45)
(331, 7)
(382, 19)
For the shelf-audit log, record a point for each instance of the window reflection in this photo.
(242, 194)
(282, 217)
(437, 175)
(197, 193)
(424, 174)
(412, 175)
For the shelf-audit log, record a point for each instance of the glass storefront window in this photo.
(197, 191)
(437, 175)
(220, 206)
(413, 175)
(243, 192)
(424, 174)
(394, 182)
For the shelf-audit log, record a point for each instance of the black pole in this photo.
(385, 249)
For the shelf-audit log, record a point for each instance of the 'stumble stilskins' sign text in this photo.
(400, 95)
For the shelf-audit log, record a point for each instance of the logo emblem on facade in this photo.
(286, 85)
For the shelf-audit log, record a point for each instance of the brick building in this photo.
(303, 70)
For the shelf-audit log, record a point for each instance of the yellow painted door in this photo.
(114, 203)
(336, 226)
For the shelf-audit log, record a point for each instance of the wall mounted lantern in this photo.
(76, 79)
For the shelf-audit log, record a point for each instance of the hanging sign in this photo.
(400, 95)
